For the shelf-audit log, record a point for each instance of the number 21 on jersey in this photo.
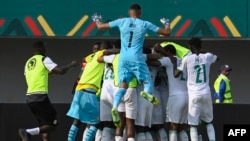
(200, 73)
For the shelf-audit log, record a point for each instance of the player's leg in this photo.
(176, 114)
(140, 136)
(143, 75)
(98, 135)
(119, 132)
(183, 117)
(164, 94)
(207, 115)
(157, 118)
(89, 101)
(117, 100)
(46, 115)
(182, 133)
(144, 116)
(90, 132)
(74, 112)
(106, 103)
(194, 111)
(149, 136)
(108, 132)
(45, 136)
(130, 100)
(124, 77)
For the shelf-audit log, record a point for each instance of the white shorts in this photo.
(144, 110)
(200, 107)
(164, 94)
(177, 109)
(157, 113)
(129, 103)
(106, 101)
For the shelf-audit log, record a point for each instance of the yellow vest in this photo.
(180, 50)
(36, 75)
(227, 95)
(132, 83)
(89, 57)
(92, 74)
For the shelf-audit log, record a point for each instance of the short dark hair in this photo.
(117, 43)
(135, 6)
(106, 45)
(39, 47)
(170, 48)
(147, 49)
(195, 42)
(97, 43)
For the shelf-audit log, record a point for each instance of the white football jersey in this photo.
(198, 70)
(152, 69)
(153, 72)
(176, 85)
(108, 73)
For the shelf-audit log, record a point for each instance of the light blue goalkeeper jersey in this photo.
(132, 34)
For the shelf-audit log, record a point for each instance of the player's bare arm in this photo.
(97, 18)
(100, 59)
(108, 52)
(102, 26)
(164, 31)
(64, 69)
(159, 49)
(155, 63)
(152, 57)
(167, 30)
(111, 51)
(177, 73)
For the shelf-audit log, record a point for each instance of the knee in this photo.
(45, 137)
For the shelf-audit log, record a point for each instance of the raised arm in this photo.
(97, 18)
(102, 26)
(160, 49)
(167, 30)
(164, 31)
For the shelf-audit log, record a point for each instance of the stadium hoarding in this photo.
(73, 18)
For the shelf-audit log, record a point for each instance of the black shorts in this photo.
(44, 112)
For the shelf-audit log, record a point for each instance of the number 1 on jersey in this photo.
(130, 38)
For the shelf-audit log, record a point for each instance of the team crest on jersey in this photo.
(131, 25)
(32, 64)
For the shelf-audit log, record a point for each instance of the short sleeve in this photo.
(49, 64)
(109, 58)
(152, 27)
(165, 61)
(182, 65)
(115, 23)
(211, 57)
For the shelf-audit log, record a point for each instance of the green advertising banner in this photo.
(211, 18)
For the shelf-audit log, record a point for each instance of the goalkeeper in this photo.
(132, 34)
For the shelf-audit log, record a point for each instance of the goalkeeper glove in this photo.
(96, 17)
(165, 21)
